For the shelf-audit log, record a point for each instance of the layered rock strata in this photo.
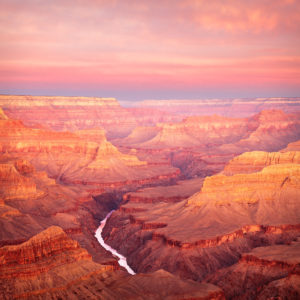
(77, 113)
(202, 145)
(85, 157)
(229, 216)
(264, 273)
(51, 265)
(254, 161)
(227, 107)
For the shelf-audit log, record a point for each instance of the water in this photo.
(122, 259)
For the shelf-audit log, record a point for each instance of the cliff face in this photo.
(225, 107)
(229, 216)
(51, 243)
(171, 193)
(77, 113)
(31, 269)
(15, 185)
(266, 272)
(81, 157)
(51, 265)
(254, 161)
(275, 130)
(199, 131)
(272, 183)
(202, 145)
(31, 201)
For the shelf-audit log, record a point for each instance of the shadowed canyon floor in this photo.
(205, 206)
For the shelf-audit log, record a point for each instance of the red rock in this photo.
(254, 161)
(266, 272)
(14, 185)
(84, 157)
(172, 193)
(226, 107)
(77, 113)
(210, 230)
(292, 147)
(2, 115)
(52, 265)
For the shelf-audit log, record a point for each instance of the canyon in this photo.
(195, 195)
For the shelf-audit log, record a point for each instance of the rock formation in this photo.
(225, 107)
(171, 193)
(229, 216)
(179, 216)
(254, 161)
(77, 113)
(81, 157)
(202, 145)
(51, 265)
(264, 273)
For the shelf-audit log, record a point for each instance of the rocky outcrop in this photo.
(254, 161)
(77, 113)
(138, 136)
(15, 185)
(31, 201)
(199, 132)
(273, 183)
(154, 236)
(31, 269)
(45, 101)
(51, 265)
(211, 229)
(202, 145)
(263, 273)
(275, 130)
(50, 244)
(84, 157)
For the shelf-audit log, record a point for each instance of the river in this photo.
(122, 259)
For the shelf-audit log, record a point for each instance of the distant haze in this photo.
(139, 49)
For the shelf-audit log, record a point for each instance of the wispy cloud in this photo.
(150, 45)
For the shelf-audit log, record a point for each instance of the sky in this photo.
(150, 49)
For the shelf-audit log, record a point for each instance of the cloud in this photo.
(148, 43)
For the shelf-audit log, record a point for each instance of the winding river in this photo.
(122, 259)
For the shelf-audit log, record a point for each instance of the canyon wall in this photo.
(226, 107)
(211, 229)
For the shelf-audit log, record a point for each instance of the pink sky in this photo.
(143, 49)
